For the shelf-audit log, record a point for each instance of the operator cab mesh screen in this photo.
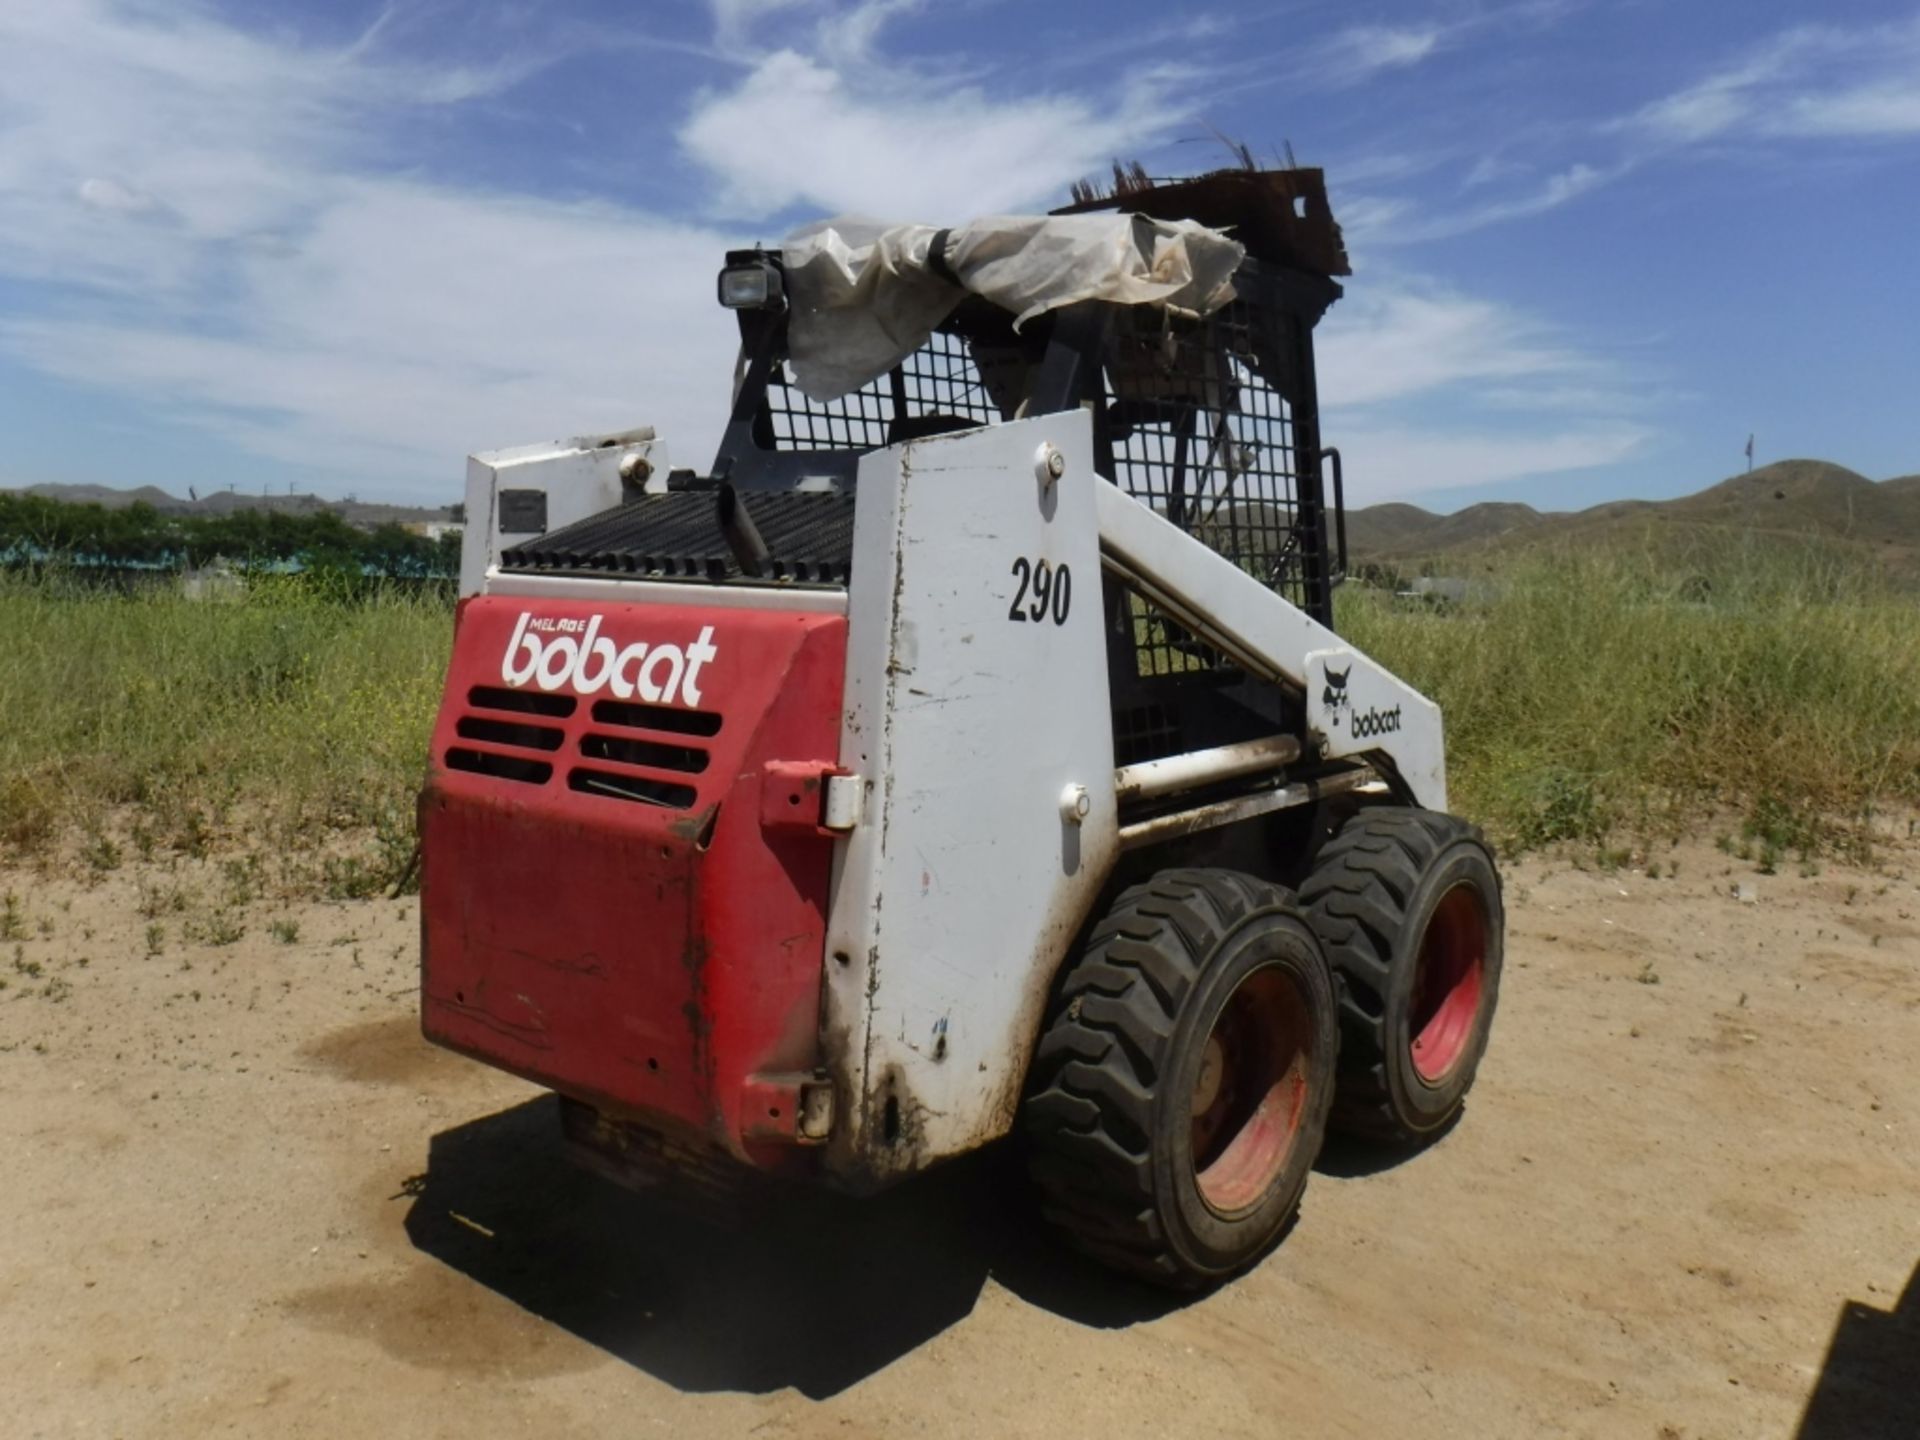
(1191, 418)
(936, 389)
(1199, 433)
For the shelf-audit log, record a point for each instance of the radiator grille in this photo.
(653, 765)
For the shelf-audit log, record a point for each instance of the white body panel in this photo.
(1221, 602)
(963, 884)
(579, 477)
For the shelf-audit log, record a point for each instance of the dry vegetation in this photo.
(290, 724)
(1598, 695)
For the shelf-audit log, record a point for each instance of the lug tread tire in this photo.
(1357, 899)
(1089, 1112)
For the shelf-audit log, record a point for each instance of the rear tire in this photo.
(1179, 1094)
(1407, 903)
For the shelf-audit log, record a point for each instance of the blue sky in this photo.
(340, 245)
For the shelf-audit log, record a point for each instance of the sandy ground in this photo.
(242, 1197)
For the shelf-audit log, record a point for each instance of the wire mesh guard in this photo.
(1192, 425)
(1146, 732)
(936, 388)
(1199, 434)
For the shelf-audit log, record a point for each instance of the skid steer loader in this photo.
(969, 749)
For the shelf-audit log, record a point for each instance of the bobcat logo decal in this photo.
(1334, 697)
(1361, 724)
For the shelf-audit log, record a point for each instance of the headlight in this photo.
(753, 286)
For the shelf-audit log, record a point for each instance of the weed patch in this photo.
(139, 718)
(1588, 692)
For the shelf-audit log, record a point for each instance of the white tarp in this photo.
(864, 297)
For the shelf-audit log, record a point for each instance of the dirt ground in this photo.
(243, 1197)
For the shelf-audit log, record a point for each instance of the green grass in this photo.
(1587, 695)
(292, 721)
(1590, 691)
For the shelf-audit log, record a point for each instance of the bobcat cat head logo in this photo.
(1335, 694)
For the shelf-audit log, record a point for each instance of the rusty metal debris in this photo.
(1282, 216)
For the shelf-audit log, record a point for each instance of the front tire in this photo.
(1407, 903)
(1179, 1094)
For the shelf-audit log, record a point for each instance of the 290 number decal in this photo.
(1050, 588)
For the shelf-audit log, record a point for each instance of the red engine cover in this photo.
(614, 902)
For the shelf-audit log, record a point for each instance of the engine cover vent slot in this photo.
(650, 753)
(508, 732)
(656, 717)
(521, 702)
(500, 767)
(641, 789)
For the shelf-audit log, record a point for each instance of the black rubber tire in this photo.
(1108, 1118)
(1370, 897)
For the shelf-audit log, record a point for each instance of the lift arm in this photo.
(1354, 705)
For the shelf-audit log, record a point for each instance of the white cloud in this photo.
(1810, 82)
(1425, 388)
(1491, 169)
(222, 249)
(1395, 340)
(1556, 190)
(138, 107)
(208, 227)
(1396, 220)
(1367, 219)
(1389, 462)
(735, 21)
(409, 325)
(104, 194)
(848, 37)
(1361, 51)
(797, 131)
(1696, 114)
(1358, 53)
(1881, 110)
(206, 219)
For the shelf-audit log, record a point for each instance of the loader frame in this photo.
(1192, 696)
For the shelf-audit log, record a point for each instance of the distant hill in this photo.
(361, 514)
(1411, 527)
(1384, 529)
(1790, 499)
(106, 495)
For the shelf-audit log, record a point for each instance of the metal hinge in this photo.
(791, 1107)
(846, 798)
